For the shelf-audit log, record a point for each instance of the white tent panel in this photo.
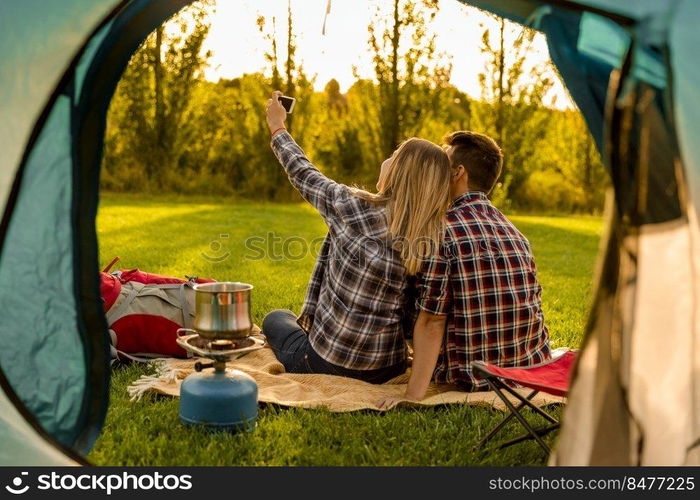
(693, 455)
(661, 361)
(36, 52)
(575, 448)
(20, 442)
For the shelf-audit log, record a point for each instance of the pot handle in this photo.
(181, 332)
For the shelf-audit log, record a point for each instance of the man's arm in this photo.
(428, 335)
(434, 302)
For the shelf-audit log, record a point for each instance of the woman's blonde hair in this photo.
(415, 187)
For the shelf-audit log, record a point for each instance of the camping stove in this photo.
(220, 398)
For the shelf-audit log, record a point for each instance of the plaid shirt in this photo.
(484, 279)
(354, 304)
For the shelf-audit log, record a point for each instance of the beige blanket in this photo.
(336, 394)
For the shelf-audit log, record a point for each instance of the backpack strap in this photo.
(115, 313)
(186, 321)
(110, 265)
(184, 305)
(118, 355)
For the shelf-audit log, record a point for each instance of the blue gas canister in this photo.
(221, 399)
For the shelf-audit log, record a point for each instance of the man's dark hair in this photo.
(480, 156)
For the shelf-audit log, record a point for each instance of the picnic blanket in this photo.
(336, 394)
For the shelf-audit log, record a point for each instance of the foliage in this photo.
(151, 125)
(171, 236)
(569, 175)
(409, 72)
(513, 111)
(170, 130)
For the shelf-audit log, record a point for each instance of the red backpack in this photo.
(144, 312)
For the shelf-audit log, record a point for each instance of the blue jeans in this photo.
(292, 347)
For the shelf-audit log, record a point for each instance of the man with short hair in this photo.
(478, 298)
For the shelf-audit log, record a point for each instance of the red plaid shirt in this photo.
(484, 279)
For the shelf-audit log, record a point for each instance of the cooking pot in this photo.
(222, 310)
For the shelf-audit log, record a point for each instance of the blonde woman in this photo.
(351, 323)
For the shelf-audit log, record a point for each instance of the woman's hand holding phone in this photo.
(276, 114)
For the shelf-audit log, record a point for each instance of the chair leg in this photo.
(532, 406)
(503, 422)
(494, 384)
(542, 432)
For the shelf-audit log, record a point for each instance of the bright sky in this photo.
(239, 47)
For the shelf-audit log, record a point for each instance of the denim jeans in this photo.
(292, 347)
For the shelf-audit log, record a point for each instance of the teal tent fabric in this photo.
(54, 356)
(43, 365)
(41, 351)
(603, 39)
(686, 85)
(38, 39)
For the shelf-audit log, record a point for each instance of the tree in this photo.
(336, 102)
(513, 111)
(338, 146)
(171, 130)
(570, 170)
(408, 69)
(293, 81)
(153, 98)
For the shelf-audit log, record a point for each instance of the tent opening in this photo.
(187, 163)
(625, 67)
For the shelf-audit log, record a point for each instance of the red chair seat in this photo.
(551, 377)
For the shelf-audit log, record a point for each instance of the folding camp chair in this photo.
(551, 377)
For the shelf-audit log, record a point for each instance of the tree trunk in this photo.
(587, 167)
(499, 98)
(159, 161)
(501, 75)
(276, 80)
(289, 66)
(394, 124)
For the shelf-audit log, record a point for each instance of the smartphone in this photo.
(288, 103)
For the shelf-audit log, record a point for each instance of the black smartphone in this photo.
(288, 103)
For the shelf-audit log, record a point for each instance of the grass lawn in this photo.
(178, 236)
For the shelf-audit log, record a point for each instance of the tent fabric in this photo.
(683, 40)
(22, 444)
(54, 356)
(37, 50)
(602, 39)
(664, 285)
(639, 9)
(648, 334)
(47, 367)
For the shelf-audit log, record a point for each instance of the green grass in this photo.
(172, 236)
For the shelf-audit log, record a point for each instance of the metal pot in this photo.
(222, 310)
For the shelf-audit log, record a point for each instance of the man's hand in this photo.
(428, 335)
(276, 114)
(386, 403)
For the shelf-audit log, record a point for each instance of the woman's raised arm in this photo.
(314, 187)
